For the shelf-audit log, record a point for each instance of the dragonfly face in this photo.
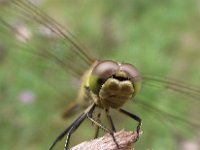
(149, 39)
(114, 83)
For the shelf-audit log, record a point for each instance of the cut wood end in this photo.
(125, 140)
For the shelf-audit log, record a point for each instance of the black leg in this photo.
(89, 115)
(97, 127)
(133, 116)
(110, 120)
(77, 124)
(73, 126)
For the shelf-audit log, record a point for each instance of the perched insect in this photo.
(105, 84)
(108, 85)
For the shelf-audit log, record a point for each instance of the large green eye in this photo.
(100, 73)
(133, 75)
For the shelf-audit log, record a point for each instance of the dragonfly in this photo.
(37, 37)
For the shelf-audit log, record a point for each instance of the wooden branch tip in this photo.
(125, 140)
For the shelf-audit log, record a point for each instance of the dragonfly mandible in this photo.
(63, 54)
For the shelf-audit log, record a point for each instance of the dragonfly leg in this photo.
(97, 127)
(75, 125)
(135, 117)
(110, 120)
(81, 117)
(90, 117)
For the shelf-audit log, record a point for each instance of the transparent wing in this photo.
(34, 43)
(172, 105)
(32, 34)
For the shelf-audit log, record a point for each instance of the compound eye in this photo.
(131, 71)
(105, 69)
(100, 73)
(133, 75)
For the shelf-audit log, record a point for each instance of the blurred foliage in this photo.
(159, 37)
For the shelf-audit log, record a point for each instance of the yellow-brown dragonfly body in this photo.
(107, 84)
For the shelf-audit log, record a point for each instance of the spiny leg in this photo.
(90, 117)
(110, 120)
(97, 127)
(66, 131)
(135, 117)
(72, 129)
(77, 124)
(81, 117)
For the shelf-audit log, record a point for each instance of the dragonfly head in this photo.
(106, 69)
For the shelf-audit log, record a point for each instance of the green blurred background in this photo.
(159, 37)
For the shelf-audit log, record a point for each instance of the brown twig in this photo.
(124, 139)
